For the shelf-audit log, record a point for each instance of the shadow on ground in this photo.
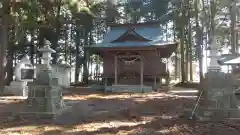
(111, 114)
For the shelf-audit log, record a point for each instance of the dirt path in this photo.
(114, 113)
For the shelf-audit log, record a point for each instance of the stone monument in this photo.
(45, 98)
(60, 71)
(24, 73)
(217, 100)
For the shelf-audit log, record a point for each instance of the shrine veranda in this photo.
(132, 55)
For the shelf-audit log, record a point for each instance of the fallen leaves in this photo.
(116, 114)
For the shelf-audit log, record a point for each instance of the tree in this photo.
(5, 11)
(232, 10)
(198, 40)
(181, 20)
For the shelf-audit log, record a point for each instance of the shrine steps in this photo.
(128, 88)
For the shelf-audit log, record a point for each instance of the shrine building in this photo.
(132, 56)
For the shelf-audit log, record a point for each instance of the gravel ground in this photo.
(115, 114)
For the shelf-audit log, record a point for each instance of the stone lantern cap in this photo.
(47, 48)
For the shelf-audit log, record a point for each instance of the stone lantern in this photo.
(45, 94)
(220, 92)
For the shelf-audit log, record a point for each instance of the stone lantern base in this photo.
(44, 101)
(45, 98)
(218, 100)
(18, 88)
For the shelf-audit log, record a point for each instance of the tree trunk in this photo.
(90, 58)
(85, 53)
(190, 45)
(237, 34)
(183, 73)
(32, 49)
(198, 41)
(90, 67)
(176, 57)
(15, 59)
(186, 57)
(70, 63)
(77, 66)
(233, 26)
(176, 66)
(3, 49)
(85, 57)
(40, 43)
(97, 67)
(66, 44)
(57, 33)
(9, 66)
(4, 41)
(199, 49)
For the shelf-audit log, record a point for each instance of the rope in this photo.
(129, 62)
(195, 107)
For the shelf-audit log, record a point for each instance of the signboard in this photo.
(27, 74)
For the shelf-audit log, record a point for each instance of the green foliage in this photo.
(58, 20)
(154, 10)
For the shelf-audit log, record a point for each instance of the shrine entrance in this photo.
(130, 68)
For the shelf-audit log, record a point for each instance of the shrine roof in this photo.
(229, 59)
(136, 44)
(150, 34)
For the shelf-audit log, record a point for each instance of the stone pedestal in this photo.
(218, 101)
(44, 101)
(44, 96)
(18, 88)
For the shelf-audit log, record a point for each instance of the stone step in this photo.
(129, 88)
(13, 98)
(218, 113)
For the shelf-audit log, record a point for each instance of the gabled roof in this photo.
(150, 32)
(130, 35)
(146, 36)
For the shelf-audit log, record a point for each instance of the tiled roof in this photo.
(233, 61)
(229, 59)
(151, 32)
(135, 44)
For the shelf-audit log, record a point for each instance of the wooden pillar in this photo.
(105, 82)
(155, 82)
(115, 69)
(141, 72)
(160, 80)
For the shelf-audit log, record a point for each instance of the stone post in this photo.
(116, 69)
(141, 70)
